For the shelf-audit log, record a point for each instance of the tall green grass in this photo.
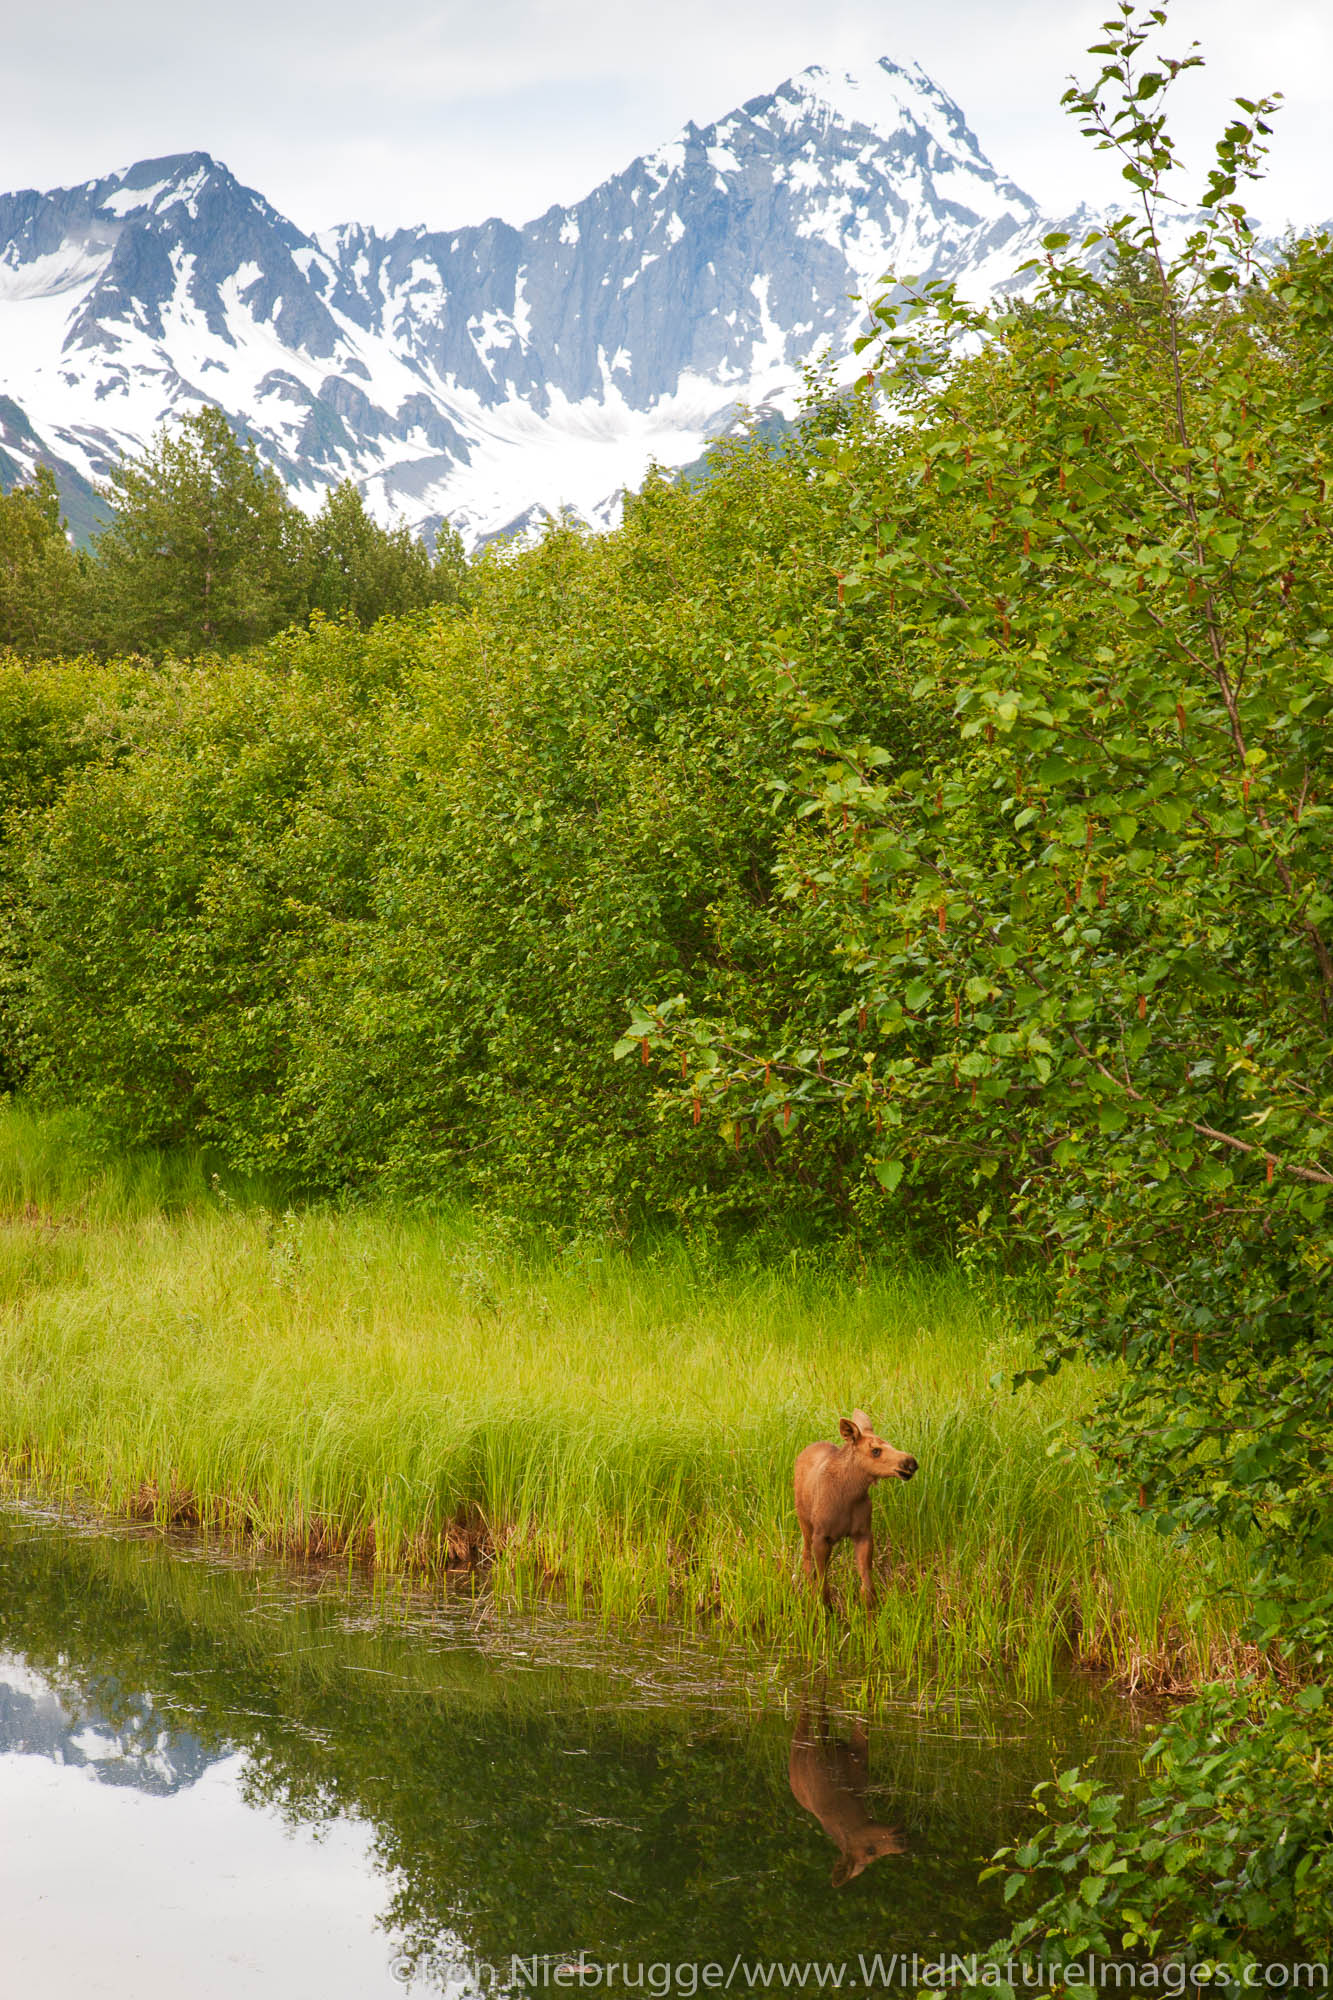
(620, 1425)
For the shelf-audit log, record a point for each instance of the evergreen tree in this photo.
(41, 576)
(449, 569)
(356, 567)
(205, 552)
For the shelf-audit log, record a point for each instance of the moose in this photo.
(829, 1777)
(833, 1485)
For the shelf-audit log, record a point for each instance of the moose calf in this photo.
(833, 1497)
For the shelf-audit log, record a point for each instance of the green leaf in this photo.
(1171, 813)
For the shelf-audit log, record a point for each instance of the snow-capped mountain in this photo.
(486, 373)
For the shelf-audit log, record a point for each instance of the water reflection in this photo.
(382, 1796)
(135, 1748)
(829, 1775)
(137, 1866)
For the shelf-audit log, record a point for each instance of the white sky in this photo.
(446, 111)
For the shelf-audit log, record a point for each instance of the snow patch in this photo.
(129, 201)
(885, 98)
(74, 264)
(666, 161)
(187, 194)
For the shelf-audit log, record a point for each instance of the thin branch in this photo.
(1205, 1131)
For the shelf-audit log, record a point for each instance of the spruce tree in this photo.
(205, 551)
(41, 575)
(357, 568)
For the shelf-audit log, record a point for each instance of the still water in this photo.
(223, 1776)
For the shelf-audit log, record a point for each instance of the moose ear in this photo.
(859, 1417)
(848, 1429)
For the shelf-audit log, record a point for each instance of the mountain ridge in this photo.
(493, 371)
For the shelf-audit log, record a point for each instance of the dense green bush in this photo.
(55, 719)
(370, 907)
(174, 892)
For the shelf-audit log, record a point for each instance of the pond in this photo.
(225, 1776)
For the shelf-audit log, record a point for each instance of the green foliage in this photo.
(354, 568)
(173, 895)
(41, 576)
(1225, 1852)
(565, 811)
(204, 551)
(369, 906)
(55, 718)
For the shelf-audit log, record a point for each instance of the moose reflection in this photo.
(829, 1776)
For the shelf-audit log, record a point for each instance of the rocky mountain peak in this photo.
(484, 372)
(885, 98)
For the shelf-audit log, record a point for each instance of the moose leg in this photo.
(865, 1556)
(823, 1549)
(806, 1563)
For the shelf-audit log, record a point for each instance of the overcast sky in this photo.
(446, 111)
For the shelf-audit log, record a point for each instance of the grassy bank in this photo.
(415, 1388)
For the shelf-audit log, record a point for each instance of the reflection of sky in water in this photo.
(131, 1868)
(139, 1751)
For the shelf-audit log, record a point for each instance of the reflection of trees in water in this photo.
(535, 1804)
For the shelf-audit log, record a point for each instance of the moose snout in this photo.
(907, 1468)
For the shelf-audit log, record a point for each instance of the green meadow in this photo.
(417, 1390)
